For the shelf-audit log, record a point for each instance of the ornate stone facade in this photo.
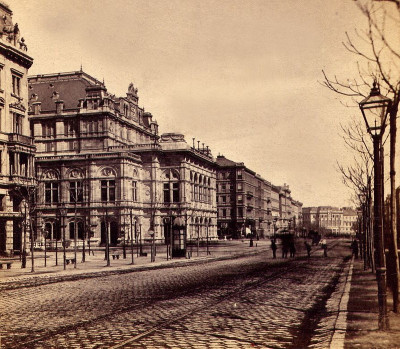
(16, 146)
(102, 166)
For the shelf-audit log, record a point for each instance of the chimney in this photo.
(37, 107)
(59, 107)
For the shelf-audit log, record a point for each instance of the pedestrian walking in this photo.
(354, 247)
(273, 247)
(324, 247)
(308, 248)
(292, 249)
(285, 249)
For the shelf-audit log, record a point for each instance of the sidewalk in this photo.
(362, 313)
(95, 264)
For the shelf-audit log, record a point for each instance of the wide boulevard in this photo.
(251, 301)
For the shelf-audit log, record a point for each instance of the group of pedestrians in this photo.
(288, 246)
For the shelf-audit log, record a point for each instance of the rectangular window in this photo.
(92, 126)
(108, 190)
(171, 188)
(240, 198)
(134, 191)
(224, 212)
(239, 175)
(167, 193)
(16, 85)
(51, 193)
(175, 192)
(240, 211)
(75, 191)
(17, 123)
(224, 199)
(48, 129)
(240, 186)
(70, 127)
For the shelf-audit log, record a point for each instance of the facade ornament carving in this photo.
(108, 172)
(50, 174)
(75, 173)
(22, 45)
(132, 90)
(18, 105)
(172, 137)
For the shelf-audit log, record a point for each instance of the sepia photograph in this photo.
(208, 174)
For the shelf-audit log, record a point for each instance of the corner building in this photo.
(248, 204)
(16, 146)
(102, 167)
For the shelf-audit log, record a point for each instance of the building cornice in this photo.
(16, 55)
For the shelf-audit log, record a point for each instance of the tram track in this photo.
(256, 280)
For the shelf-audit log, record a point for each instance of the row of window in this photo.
(90, 126)
(171, 192)
(227, 212)
(76, 191)
(200, 193)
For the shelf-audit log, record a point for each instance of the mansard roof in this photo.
(67, 87)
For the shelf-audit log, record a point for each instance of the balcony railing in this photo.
(18, 138)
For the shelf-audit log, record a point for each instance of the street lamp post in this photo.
(375, 109)
(131, 237)
(63, 213)
(45, 247)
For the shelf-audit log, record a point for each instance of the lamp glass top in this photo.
(375, 109)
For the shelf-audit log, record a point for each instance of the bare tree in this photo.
(378, 52)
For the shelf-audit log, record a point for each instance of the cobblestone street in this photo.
(234, 303)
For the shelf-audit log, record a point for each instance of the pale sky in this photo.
(240, 76)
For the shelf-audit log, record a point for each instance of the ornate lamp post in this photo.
(375, 109)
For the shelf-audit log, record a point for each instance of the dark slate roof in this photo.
(69, 87)
(223, 161)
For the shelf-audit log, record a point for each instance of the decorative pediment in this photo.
(18, 105)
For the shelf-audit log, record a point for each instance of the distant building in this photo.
(336, 220)
(249, 204)
(16, 146)
(102, 167)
